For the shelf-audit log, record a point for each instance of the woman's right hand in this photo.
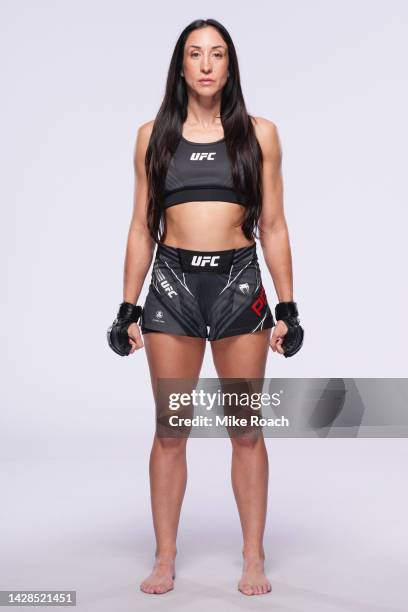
(135, 337)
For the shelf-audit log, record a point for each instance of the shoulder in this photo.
(267, 134)
(144, 132)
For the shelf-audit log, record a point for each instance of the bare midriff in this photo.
(206, 226)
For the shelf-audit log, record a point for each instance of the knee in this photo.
(171, 445)
(246, 442)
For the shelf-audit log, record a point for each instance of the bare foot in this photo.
(254, 581)
(161, 579)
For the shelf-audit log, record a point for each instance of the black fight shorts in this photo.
(206, 294)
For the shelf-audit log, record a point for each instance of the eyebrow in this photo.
(214, 47)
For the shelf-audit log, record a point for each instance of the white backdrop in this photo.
(78, 79)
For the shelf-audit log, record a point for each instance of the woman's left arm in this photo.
(273, 231)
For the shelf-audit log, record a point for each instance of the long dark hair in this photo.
(242, 146)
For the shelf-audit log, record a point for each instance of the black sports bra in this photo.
(200, 171)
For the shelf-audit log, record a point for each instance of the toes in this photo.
(254, 589)
(163, 588)
(246, 589)
(156, 588)
(150, 588)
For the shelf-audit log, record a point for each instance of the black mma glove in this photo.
(293, 339)
(118, 338)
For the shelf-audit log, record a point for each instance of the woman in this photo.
(207, 175)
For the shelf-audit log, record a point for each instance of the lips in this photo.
(207, 81)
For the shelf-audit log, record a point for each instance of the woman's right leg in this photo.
(169, 356)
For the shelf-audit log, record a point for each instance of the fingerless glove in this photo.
(293, 339)
(118, 338)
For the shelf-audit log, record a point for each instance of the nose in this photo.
(206, 64)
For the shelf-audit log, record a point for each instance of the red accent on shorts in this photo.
(260, 302)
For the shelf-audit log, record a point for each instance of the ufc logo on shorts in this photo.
(260, 302)
(203, 260)
(203, 155)
(168, 288)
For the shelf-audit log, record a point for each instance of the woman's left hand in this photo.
(279, 332)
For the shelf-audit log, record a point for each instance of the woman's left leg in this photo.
(245, 356)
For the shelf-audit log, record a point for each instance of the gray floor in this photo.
(77, 516)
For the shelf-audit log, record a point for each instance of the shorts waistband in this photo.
(203, 259)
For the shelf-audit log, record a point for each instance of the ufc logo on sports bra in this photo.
(203, 260)
(201, 156)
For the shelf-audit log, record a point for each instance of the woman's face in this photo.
(205, 57)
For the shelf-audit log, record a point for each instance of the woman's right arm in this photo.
(140, 245)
